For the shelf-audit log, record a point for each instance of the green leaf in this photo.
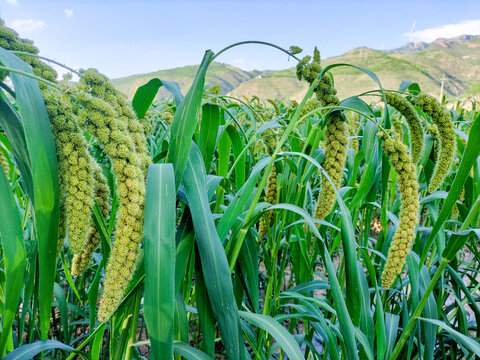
(43, 162)
(185, 122)
(358, 105)
(214, 261)
(62, 306)
(188, 352)
(456, 242)
(13, 127)
(409, 86)
(159, 257)
(237, 205)
(13, 248)
(469, 157)
(211, 115)
(466, 341)
(145, 94)
(27, 352)
(205, 312)
(239, 155)
(279, 333)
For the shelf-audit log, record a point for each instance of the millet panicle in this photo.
(408, 188)
(442, 120)
(414, 126)
(336, 143)
(102, 192)
(99, 118)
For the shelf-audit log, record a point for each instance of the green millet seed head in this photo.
(271, 140)
(336, 146)
(336, 143)
(271, 191)
(294, 50)
(415, 128)
(408, 187)
(4, 163)
(300, 66)
(446, 131)
(98, 114)
(353, 130)
(83, 259)
(433, 132)
(9, 40)
(100, 86)
(262, 227)
(455, 211)
(397, 125)
(275, 106)
(270, 197)
(74, 168)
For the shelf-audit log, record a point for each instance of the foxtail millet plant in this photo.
(408, 188)
(336, 143)
(414, 126)
(270, 197)
(442, 120)
(73, 159)
(100, 119)
(271, 189)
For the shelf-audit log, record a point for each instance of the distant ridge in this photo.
(453, 62)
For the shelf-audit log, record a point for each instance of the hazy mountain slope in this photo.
(227, 76)
(454, 62)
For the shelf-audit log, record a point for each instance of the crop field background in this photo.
(205, 225)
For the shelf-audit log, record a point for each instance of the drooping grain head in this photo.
(408, 188)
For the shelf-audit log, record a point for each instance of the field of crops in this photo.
(206, 226)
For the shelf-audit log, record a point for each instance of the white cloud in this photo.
(13, 2)
(28, 25)
(68, 13)
(467, 27)
(244, 64)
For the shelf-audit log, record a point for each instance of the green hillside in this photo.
(227, 76)
(455, 63)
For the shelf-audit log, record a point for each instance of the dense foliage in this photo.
(208, 226)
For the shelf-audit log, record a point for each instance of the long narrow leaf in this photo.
(214, 261)
(43, 161)
(13, 248)
(185, 122)
(159, 256)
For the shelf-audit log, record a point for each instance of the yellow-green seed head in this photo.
(408, 187)
(455, 211)
(74, 168)
(101, 87)
(294, 50)
(4, 163)
(336, 146)
(83, 259)
(444, 124)
(270, 197)
(102, 119)
(414, 126)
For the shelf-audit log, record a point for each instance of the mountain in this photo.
(227, 76)
(452, 64)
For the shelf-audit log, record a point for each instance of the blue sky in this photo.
(122, 37)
